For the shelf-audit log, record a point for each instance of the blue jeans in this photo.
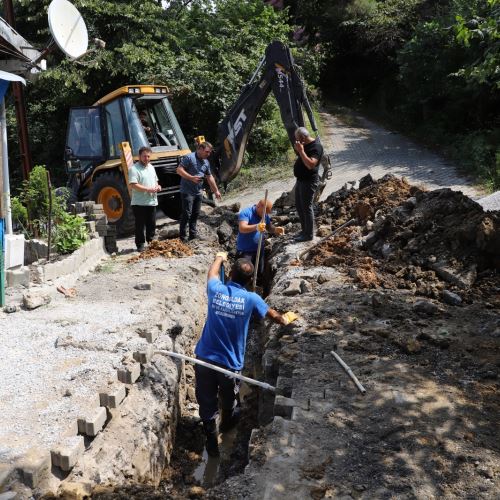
(191, 205)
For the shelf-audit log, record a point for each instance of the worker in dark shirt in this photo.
(305, 169)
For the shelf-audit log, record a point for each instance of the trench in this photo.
(191, 473)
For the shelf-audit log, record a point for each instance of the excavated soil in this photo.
(169, 249)
(406, 238)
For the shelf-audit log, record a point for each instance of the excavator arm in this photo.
(279, 75)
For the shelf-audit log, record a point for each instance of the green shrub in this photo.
(31, 210)
(70, 233)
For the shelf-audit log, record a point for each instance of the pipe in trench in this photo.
(229, 373)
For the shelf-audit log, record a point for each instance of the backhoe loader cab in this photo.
(140, 115)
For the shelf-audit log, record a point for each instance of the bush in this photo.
(31, 210)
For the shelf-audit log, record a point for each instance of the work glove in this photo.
(261, 227)
(279, 231)
(289, 317)
(223, 255)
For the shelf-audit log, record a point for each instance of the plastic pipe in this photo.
(5, 170)
(229, 373)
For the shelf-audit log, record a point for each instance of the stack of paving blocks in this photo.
(97, 223)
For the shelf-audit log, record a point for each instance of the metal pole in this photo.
(217, 369)
(349, 372)
(5, 171)
(257, 257)
(49, 222)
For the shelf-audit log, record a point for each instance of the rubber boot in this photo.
(212, 443)
(229, 419)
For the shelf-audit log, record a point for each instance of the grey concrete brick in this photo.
(148, 333)
(34, 466)
(129, 374)
(91, 424)
(112, 396)
(6, 471)
(144, 356)
(66, 453)
(18, 276)
(9, 495)
(283, 407)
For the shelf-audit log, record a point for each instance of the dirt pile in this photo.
(407, 238)
(169, 249)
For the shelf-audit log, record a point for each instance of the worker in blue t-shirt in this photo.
(223, 342)
(249, 229)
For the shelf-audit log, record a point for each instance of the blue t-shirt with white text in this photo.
(249, 242)
(224, 335)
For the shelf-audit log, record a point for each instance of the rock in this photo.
(369, 225)
(363, 210)
(334, 260)
(168, 233)
(32, 300)
(294, 287)
(386, 250)
(426, 307)
(412, 346)
(379, 300)
(147, 285)
(323, 231)
(369, 239)
(366, 181)
(322, 279)
(196, 492)
(305, 286)
(463, 279)
(10, 309)
(410, 202)
(451, 298)
(224, 232)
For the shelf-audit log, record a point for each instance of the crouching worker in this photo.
(223, 342)
(249, 229)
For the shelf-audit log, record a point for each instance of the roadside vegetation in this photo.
(34, 207)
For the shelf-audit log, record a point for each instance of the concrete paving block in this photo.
(90, 425)
(66, 453)
(18, 276)
(33, 466)
(129, 374)
(9, 495)
(112, 396)
(150, 334)
(6, 471)
(283, 407)
(144, 356)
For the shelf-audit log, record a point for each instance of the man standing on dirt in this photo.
(223, 342)
(194, 169)
(144, 185)
(249, 229)
(305, 169)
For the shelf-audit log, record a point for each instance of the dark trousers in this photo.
(252, 256)
(145, 219)
(304, 195)
(191, 205)
(213, 388)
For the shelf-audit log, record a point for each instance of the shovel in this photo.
(261, 235)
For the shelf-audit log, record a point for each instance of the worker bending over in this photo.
(250, 226)
(223, 342)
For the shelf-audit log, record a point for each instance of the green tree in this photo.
(204, 53)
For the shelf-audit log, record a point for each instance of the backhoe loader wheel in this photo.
(171, 205)
(109, 190)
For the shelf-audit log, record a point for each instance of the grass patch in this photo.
(106, 267)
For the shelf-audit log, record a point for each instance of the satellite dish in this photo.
(68, 28)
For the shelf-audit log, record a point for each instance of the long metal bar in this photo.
(229, 373)
(349, 372)
(259, 247)
(5, 169)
